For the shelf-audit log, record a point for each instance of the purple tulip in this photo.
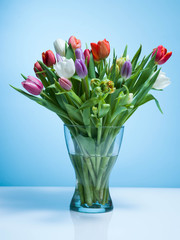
(126, 70)
(58, 57)
(79, 54)
(33, 85)
(65, 83)
(81, 68)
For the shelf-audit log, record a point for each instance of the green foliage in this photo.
(103, 101)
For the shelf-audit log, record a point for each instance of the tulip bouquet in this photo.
(92, 96)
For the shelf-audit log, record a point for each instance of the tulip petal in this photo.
(164, 58)
(95, 50)
(35, 80)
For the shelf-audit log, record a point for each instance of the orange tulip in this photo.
(100, 50)
(75, 43)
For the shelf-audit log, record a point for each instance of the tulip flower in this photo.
(65, 83)
(161, 56)
(100, 50)
(48, 58)
(65, 68)
(33, 85)
(120, 61)
(79, 54)
(81, 68)
(75, 43)
(126, 70)
(58, 57)
(87, 55)
(161, 82)
(59, 46)
(38, 68)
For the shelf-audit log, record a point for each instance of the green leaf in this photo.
(50, 74)
(76, 77)
(118, 110)
(91, 68)
(136, 57)
(69, 52)
(148, 71)
(86, 116)
(148, 98)
(104, 110)
(103, 72)
(90, 103)
(74, 114)
(75, 98)
(145, 89)
(44, 103)
(125, 51)
(86, 143)
(23, 76)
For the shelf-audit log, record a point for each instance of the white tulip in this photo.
(161, 82)
(65, 68)
(59, 46)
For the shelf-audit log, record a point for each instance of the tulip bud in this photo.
(59, 46)
(87, 55)
(95, 82)
(75, 43)
(81, 68)
(120, 62)
(130, 98)
(65, 83)
(38, 68)
(97, 91)
(48, 58)
(79, 54)
(95, 110)
(126, 70)
(107, 86)
(33, 85)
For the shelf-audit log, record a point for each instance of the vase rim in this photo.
(78, 125)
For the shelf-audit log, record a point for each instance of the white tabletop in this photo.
(30, 213)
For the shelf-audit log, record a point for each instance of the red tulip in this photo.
(48, 58)
(100, 50)
(38, 68)
(75, 43)
(87, 55)
(162, 56)
(33, 85)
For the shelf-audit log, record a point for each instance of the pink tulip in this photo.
(33, 85)
(48, 58)
(65, 83)
(87, 55)
(75, 43)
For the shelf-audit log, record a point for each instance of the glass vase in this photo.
(93, 152)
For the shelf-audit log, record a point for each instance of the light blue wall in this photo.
(32, 145)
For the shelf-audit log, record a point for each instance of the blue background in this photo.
(32, 145)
